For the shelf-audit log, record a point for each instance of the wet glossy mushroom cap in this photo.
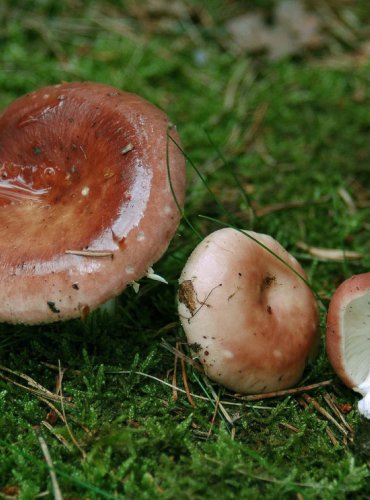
(86, 205)
(250, 320)
(348, 335)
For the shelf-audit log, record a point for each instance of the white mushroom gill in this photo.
(356, 324)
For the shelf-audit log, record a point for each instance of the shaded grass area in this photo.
(293, 133)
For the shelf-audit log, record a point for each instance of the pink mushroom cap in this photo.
(250, 319)
(348, 336)
(88, 175)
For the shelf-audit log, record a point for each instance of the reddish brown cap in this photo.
(348, 331)
(86, 205)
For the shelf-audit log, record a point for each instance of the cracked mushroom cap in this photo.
(250, 320)
(348, 336)
(86, 205)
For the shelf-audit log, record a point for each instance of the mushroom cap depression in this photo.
(348, 332)
(87, 182)
(250, 320)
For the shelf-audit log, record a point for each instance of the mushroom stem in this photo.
(364, 404)
(109, 307)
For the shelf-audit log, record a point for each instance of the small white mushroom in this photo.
(348, 336)
(249, 318)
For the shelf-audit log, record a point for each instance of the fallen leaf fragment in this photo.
(333, 254)
(294, 29)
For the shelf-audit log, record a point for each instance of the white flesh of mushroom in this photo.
(356, 347)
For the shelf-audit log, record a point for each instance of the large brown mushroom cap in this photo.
(86, 205)
(251, 320)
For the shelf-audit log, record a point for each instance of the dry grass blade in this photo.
(174, 375)
(335, 25)
(37, 24)
(56, 368)
(220, 404)
(286, 392)
(28, 379)
(347, 198)
(74, 440)
(331, 254)
(232, 90)
(89, 253)
(59, 381)
(59, 437)
(257, 121)
(197, 366)
(54, 481)
(197, 396)
(279, 207)
(36, 389)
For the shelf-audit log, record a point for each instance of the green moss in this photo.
(127, 436)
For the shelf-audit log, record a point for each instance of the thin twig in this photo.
(54, 409)
(286, 392)
(289, 426)
(74, 440)
(213, 420)
(62, 418)
(278, 207)
(324, 413)
(329, 398)
(331, 435)
(56, 368)
(185, 382)
(197, 396)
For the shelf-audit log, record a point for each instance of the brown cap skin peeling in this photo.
(86, 205)
(249, 319)
(350, 290)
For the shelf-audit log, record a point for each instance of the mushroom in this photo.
(348, 336)
(88, 180)
(247, 312)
